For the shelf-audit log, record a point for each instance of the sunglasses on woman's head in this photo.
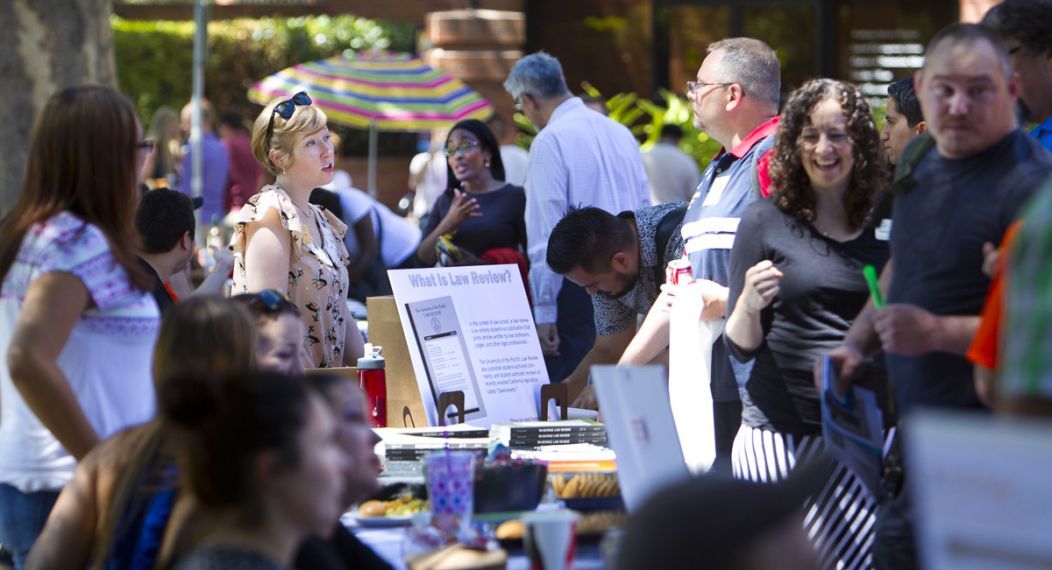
(268, 300)
(286, 109)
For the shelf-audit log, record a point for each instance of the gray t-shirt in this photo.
(615, 314)
(937, 236)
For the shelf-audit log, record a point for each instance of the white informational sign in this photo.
(639, 425)
(471, 329)
(982, 491)
(689, 382)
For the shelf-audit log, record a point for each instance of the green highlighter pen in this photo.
(870, 273)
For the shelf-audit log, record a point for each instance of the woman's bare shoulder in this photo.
(116, 451)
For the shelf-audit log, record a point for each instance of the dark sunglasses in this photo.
(268, 301)
(285, 109)
(145, 145)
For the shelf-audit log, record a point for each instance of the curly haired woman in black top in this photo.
(796, 283)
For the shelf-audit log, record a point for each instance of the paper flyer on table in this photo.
(471, 329)
(642, 432)
(982, 490)
(853, 429)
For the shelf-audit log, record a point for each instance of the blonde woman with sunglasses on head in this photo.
(283, 242)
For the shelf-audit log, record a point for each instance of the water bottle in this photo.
(215, 235)
(374, 383)
(208, 257)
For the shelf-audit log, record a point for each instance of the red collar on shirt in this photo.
(766, 129)
(758, 134)
(171, 293)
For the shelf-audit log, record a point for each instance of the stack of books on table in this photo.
(404, 448)
(575, 457)
(530, 435)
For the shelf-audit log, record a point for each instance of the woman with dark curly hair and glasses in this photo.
(796, 284)
(281, 241)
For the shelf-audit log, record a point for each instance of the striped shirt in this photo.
(727, 187)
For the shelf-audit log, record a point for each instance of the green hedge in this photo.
(155, 58)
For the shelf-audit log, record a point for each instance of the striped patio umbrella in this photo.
(377, 91)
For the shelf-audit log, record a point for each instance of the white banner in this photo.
(471, 329)
(689, 380)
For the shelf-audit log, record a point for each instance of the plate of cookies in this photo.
(589, 491)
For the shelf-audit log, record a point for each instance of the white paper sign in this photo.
(982, 491)
(635, 405)
(471, 329)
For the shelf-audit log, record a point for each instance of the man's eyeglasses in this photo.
(285, 109)
(693, 86)
(463, 148)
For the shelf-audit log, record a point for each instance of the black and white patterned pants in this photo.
(839, 521)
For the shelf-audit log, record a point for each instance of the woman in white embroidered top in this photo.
(77, 323)
(283, 242)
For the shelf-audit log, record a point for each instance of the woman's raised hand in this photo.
(761, 286)
(462, 208)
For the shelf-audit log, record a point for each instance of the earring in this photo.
(283, 172)
(487, 163)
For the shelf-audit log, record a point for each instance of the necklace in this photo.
(308, 213)
(847, 236)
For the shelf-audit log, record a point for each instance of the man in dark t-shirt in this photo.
(938, 266)
(964, 193)
(165, 221)
(620, 261)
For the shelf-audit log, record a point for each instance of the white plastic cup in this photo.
(551, 539)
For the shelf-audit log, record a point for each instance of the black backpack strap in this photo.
(903, 180)
(669, 223)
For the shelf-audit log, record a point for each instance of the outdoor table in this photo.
(387, 542)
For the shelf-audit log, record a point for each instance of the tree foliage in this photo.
(645, 119)
(154, 58)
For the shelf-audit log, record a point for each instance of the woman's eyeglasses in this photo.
(811, 138)
(145, 145)
(463, 148)
(285, 109)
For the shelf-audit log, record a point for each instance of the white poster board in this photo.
(641, 431)
(471, 329)
(982, 491)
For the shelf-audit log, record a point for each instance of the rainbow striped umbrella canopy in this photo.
(381, 90)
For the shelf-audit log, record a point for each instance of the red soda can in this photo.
(676, 269)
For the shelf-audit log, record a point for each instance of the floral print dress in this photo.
(317, 282)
